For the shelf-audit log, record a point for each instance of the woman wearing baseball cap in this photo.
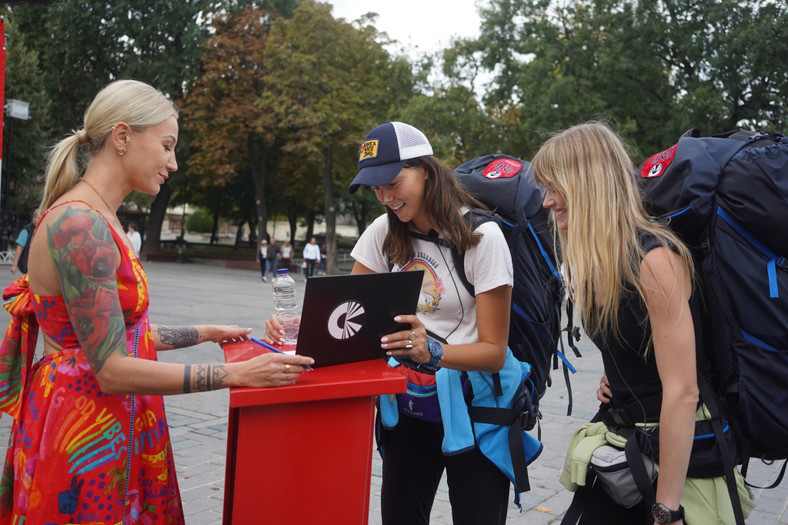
(455, 342)
(452, 330)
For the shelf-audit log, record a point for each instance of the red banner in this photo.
(2, 83)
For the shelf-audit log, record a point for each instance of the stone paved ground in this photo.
(195, 293)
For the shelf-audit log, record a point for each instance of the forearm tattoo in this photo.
(85, 256)
(201, 378)
(178, 336)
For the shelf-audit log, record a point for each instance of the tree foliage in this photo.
(723, 58)
(82, 45)
(657, 68)
(327, 83)
(85, 44)
(278, 94)
(24, 142)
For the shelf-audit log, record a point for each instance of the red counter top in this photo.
(364, 378)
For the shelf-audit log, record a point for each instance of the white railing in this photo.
(7, 257)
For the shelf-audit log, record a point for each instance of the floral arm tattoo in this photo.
(199, 378)
(85, 255)
(178, 336)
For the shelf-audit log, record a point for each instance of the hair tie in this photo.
(82, 136)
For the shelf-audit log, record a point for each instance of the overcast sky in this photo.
(420, 25)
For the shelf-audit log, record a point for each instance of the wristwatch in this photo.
(662, 514)
(436, 352)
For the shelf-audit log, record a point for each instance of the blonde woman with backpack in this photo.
(632, 280)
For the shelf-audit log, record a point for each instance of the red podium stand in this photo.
(302, 454)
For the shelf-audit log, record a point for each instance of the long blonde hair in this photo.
(135, 103)
(589, 167)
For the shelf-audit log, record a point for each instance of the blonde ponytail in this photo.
(62, 170)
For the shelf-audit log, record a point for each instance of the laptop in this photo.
(344, 316)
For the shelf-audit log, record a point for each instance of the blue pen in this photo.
(273, 349)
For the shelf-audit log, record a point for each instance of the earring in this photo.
(121, 151)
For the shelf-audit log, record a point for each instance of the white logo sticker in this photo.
(656, 170)
(346, 320)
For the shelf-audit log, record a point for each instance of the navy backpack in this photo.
(727, 197)
(505, 185)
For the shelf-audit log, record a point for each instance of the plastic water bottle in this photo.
(286, 305)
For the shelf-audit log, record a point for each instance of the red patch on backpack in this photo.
(502, 168)
(657, 164)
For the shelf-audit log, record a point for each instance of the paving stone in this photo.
(183, 294)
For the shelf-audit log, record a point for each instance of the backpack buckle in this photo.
(617, 417)
(527, 419)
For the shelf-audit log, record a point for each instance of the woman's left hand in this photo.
(223, 333)
(411, 343)
(603, 393)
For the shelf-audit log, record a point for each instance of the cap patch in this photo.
(369, 149)
(502, 168)
(657, 164)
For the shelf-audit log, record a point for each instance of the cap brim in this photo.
(376, 175)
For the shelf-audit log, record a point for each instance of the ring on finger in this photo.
(412, 336)
(408, 346)
(287, 368)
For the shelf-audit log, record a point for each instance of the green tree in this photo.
(557, 64)
(657, 68)
(328, 110)
(84, 44)
(455, 124)
(231, 132)
(201, 221)
(723, 58)
(24, 142)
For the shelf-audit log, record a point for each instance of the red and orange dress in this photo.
(77, 455)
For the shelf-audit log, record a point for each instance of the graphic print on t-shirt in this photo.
(432, 287)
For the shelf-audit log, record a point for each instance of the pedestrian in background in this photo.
(323, 259)
(262, 254)
(311, 256)
(287, 255)
(135, 238)
(272, 253)
(23, 246)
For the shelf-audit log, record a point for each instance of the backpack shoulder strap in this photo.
(477, 217)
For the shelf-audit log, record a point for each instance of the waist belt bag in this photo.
(706, 458)
(614, 475)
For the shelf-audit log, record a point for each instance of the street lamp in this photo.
(14, 109)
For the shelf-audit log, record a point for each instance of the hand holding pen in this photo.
(273, 349)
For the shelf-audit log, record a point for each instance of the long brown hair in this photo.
(444, 198)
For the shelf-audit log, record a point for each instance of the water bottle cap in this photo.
(282, 271)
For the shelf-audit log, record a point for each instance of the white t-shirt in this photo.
(445, 306)
(312, 252)
(136, 241)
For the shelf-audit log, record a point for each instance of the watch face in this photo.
(662, 514)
